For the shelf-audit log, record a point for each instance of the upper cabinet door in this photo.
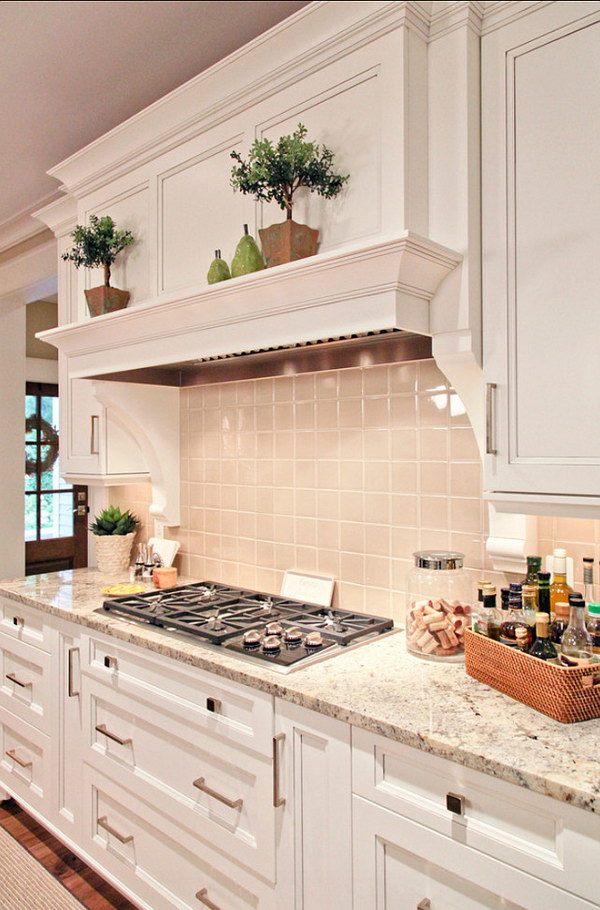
(541, 252)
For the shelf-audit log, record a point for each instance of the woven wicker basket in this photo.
(568, 694)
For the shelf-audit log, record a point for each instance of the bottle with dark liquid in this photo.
(559, 623)
(515, 620)
(529, 593)
(542, 646)
(489, 618)
(543, 593)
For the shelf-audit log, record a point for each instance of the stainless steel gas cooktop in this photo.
(284, 633)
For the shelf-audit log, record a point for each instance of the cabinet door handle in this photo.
(203, 897)
(101, 728)
(12, 754)
(455, 803)
(425, 904)
(94, 425)
(122, 838)
(71, 691)
(18, 682)
(232, 803)
(490, 418)
(18, 621)
(278, 799)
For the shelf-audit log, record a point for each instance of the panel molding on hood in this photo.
(384, 285)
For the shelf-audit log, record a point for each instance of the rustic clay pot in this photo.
(288, 241)
(105, 300)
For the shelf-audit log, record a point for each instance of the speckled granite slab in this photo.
(433, 707)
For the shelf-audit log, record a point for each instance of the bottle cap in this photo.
(576, 599)
(534, 561)
(559, 561)
(544, 577)
(542, 621)
(558, 551)
(488, 590)
(521, 635)
(594, 608)
(562, 608)
(515, 587)
(438, 559)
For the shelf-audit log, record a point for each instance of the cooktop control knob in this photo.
(313, 640)
(274, 628)
(292, 636)
(271, 644)
(252, 639)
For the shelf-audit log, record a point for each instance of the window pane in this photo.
(30, 405)
(30, 456)
(30, 482)
(30, 517)
(57, 515)
(49, 406)
(50, 478)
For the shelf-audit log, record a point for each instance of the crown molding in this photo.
(22, 225)
(166, 124)
(499, 13)
(60, 216)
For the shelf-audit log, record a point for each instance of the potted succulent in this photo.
(278, 172)
(114, 531)
(99, 245)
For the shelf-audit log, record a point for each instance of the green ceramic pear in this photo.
(218, 269)
(247, 258)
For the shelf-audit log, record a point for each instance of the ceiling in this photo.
(72, 70)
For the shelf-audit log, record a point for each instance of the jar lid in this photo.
(438, 559)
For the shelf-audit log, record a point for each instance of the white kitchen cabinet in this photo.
(541, 269)
(313, 778)
(95, 447)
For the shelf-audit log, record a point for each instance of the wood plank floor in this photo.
(84, 884)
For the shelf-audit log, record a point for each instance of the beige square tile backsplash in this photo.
(342, 473)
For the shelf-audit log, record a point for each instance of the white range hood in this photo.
(385, 285)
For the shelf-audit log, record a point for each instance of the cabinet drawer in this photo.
(24, 688)
(223, 794)
(531, 832)
(159, 862)
(25, 624)
(226, 710)
(25, 762)
(400, 865)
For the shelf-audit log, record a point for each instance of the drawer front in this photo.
(25, 762)
(220, 792)
(25, 624)
(228, 711)
(160, 863)
(400, 865)
(524, 829)
(24, 684)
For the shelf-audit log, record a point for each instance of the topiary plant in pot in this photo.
(278, 172)
(99, 244)
(114, 531)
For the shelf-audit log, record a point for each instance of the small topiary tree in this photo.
(97, 245)
(278, 171)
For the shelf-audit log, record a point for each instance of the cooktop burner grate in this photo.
(224, 615)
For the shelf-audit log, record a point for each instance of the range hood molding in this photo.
(385, 285)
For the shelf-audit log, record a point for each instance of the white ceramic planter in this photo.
(113, 551)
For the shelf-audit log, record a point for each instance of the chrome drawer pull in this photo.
(18, 682)
(101, 728)
(232, 803)
(490, 418)
(12, 754)
(124, 839)
(425, 904)
(278, 799)
(71, 691)
(203, 897)
(94, 424)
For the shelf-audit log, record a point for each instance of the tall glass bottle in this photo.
(576, 640)
(559, 589)
(542, 646)
(543, 593)
(529, 593)
(588, 580)
(534, 564)
(489, 618)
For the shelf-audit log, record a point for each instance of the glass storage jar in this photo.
(438, 605)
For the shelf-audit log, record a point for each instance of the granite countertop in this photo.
(430, 706)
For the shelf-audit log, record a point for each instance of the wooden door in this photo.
(56, 512)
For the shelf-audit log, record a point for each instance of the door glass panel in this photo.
(56, 515)
(30, 517)
(49, 410)
(50, 479)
